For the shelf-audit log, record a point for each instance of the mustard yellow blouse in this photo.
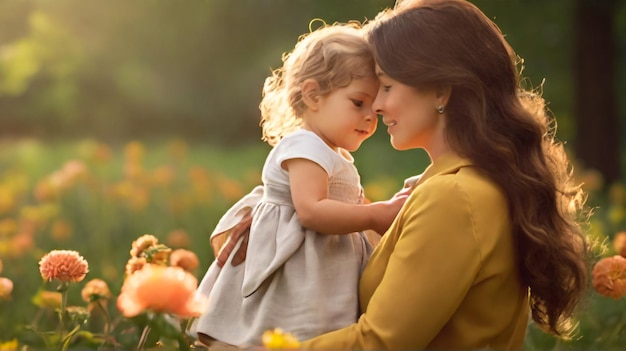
(444, 275)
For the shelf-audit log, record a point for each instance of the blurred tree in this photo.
(39, 72)
(119, 69)
(597, 139)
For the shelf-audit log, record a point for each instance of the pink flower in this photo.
(609, 277)
(160, 289)
(64, 265)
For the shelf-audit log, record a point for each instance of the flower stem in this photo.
(107, 320)
(62, 312)
(144, 337)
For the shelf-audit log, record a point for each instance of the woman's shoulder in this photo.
(465, 201)
(466, 184)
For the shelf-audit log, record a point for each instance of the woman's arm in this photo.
(241, 229)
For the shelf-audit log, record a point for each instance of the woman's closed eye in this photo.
(386, 88)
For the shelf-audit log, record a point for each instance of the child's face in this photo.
(344, 118)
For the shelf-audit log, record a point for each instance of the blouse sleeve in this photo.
(429, 271)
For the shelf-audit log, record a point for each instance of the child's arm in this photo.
(309, 191)
(243, 230)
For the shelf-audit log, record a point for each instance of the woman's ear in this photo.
(442, 95)
(310, 96)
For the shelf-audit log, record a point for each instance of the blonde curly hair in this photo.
(332, 55)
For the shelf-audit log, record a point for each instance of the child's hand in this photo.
(404, 192)
(387, 211)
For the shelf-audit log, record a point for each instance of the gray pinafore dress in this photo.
(293, 278)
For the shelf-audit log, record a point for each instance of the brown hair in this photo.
(507, 133)
(332, 55)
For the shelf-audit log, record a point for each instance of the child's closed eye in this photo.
(357, 103)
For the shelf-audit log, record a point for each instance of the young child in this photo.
(306, 246)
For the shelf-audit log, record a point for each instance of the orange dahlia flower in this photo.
(6, 288)
(95, 289)
(134, 264)
(64, 265)
(184, 259)
(48, 299)
(178, 238)
(160, 289)
(619, 243)
(143, 242)
(609, 277)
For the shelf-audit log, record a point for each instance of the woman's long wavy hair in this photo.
(504, 128)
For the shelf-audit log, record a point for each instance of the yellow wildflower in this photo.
(277, 339)
(10, 345)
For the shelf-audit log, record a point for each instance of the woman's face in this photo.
(410, 114)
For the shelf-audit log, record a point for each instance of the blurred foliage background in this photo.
(153, 104)
(117, 69)
(152, 69)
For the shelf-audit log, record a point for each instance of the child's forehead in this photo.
(366, 85)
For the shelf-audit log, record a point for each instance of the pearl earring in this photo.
(441, 109)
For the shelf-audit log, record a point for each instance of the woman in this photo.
(489, 232)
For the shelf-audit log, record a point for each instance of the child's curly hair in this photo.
(332, 55)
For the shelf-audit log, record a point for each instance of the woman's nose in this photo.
(377, 107)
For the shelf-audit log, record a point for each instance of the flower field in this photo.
(96, 199)
(79, 219)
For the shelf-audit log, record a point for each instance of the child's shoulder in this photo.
(300, 137)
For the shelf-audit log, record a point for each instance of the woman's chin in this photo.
(398, 145)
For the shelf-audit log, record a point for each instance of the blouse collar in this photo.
(447, 163)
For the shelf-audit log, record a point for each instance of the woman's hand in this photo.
(242, 229)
